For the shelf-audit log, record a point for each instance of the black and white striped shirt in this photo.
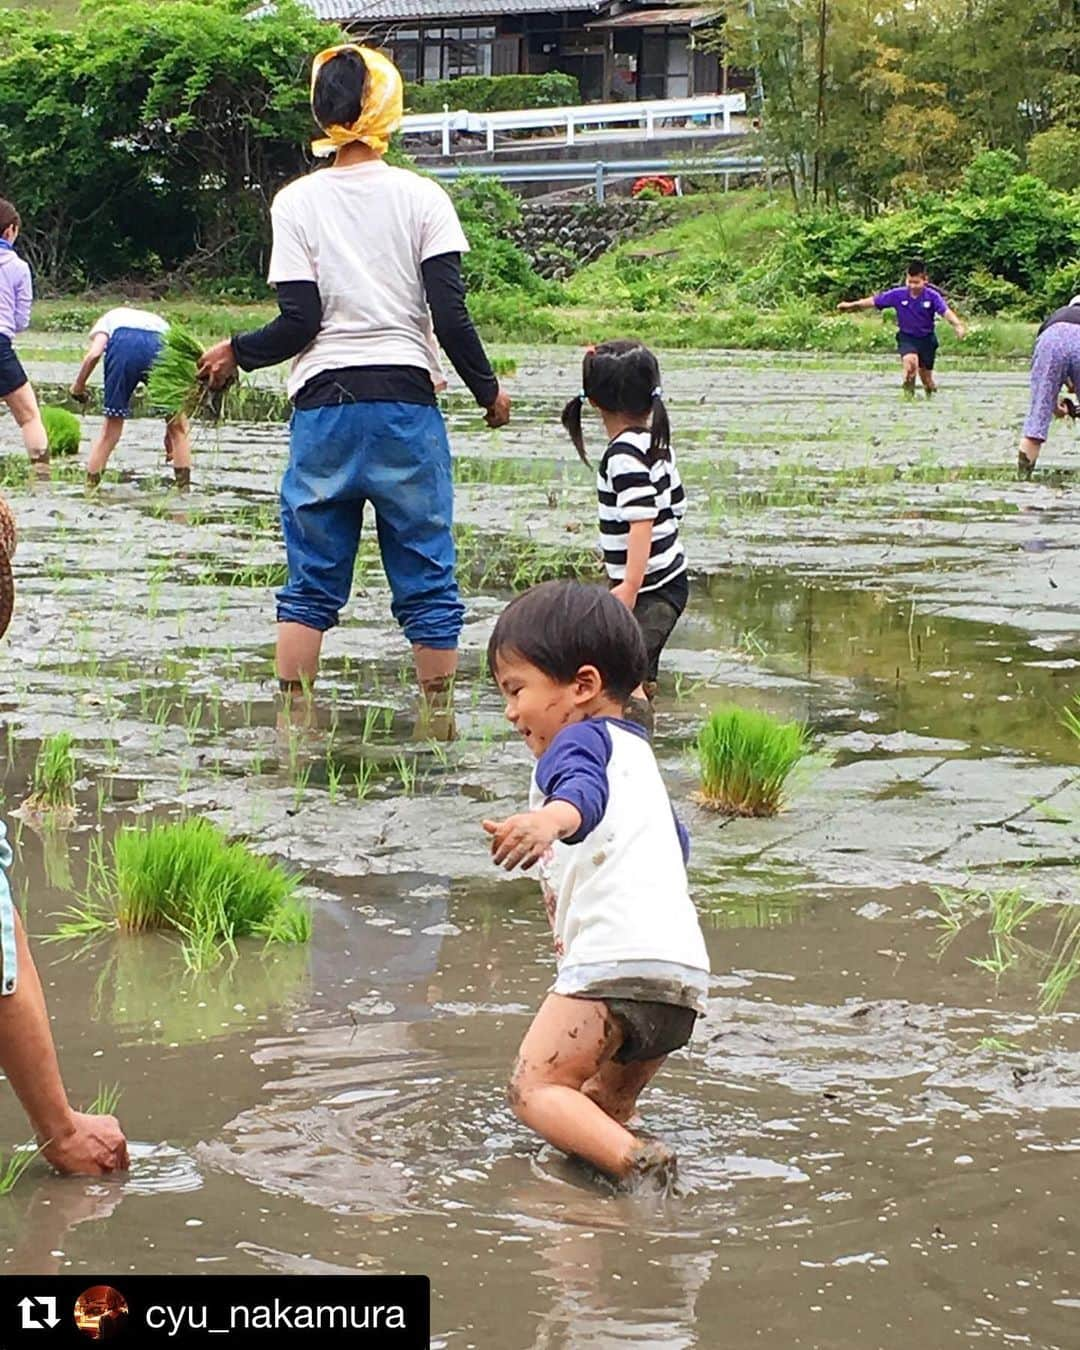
(628, 490)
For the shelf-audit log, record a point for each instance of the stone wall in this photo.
(562, 237)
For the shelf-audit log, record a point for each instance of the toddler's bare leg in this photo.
(911, 366)
(570, 1040)
(615, 1088)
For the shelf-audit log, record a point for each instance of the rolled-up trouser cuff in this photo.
(308, 613)
(9, 958)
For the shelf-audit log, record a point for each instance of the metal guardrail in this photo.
(559, 171)
(647, 115)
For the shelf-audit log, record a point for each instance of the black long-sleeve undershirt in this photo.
(300, 316)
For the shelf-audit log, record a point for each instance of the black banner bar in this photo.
(367, 1312)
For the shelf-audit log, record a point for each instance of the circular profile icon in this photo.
(101, 1313)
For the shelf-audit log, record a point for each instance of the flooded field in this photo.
(878, 1137)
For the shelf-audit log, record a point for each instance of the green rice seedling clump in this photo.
(189, 878)
(63, 430)
(745, 758)
(173, 386)
(54, 774)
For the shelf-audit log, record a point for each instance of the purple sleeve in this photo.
(684, 836)
(24, 296)
(574, 769)
(939, 302)
(888, 299)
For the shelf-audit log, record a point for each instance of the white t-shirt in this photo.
(125, 317)
(360, 233)
(616, 893)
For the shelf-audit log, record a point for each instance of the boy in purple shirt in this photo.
(917, 306)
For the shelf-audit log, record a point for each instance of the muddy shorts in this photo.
(8, 957)
(925, 348)
(397, 457)
(128, 357)
(12, 375)
(657, 613)
(649, 1029)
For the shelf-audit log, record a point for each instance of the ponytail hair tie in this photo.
(582, 396)
(658, 392)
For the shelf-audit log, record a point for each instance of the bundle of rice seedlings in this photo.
(54, 777)
(173, 386)
(189, 878)
(63, 430)
(745, 758)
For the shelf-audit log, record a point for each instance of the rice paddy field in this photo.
(878, 1122)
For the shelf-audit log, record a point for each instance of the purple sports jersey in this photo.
(914, 316)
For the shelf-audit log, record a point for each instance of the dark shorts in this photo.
(12, 375)
(128, 357)
(657, 613)
(649, 1029)
(924, 348)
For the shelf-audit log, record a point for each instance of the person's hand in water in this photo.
(218, 365)
(523, 839)
(78, 393)
(91, 1146)
(498, 414)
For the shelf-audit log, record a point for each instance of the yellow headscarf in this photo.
(381, 108)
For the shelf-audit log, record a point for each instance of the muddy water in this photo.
(878, 1141)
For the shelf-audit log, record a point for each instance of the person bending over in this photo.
(130, 340)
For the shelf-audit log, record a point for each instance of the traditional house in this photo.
(618, 49)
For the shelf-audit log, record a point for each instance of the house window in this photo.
(450, 52)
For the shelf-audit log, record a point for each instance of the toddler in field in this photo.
(640, 496)
(633, 971)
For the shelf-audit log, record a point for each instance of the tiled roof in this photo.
(389, 11)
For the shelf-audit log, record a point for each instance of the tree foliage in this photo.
(867, 102)
(152, 138)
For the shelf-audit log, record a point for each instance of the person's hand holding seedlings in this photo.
(523, 839)
(218, 365)
(88, 1146)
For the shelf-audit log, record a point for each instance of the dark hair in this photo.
(8, 215)
(916, 268)
(338, 95)
(561, 626)
(621, 376)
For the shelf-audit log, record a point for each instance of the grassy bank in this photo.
(694, 284)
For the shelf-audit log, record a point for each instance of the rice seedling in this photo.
(504, 365)
(12, 1167)
(174, 387)
(1071, 717)
(188, 878)
(106, 1101)
(54, 776)
(746, 757)
(63, 430)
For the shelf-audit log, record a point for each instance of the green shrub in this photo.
(745, 758)
(988, 294)
(63, 430)
(493, 93)
(488, 212)
(1054, 156)
(189, 878)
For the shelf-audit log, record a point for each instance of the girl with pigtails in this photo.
(641, 497)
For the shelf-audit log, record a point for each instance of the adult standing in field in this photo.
(917, 305)
(130, 340)
(70, 1140)
(1055, 363)
(366, 260)
(16, 299)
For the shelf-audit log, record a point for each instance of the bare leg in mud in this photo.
(928, 381)
(23, 405)
(569, 1048)
(299, 649)
(911, 368)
